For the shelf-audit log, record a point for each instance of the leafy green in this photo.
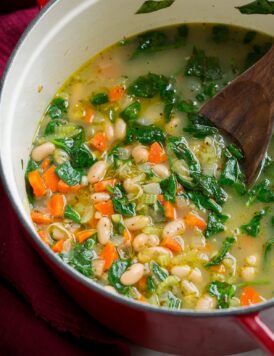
(267, 248)
(99, 99)
(144, 134)
(202, 202)
(115, 272)
(257, 7)
(58, 107)
(160, 273)
(222, 291)
(152, 6)
(215, 224)
(220, 33)
(249, 37)
(235, 151)
(216, 260)
(72, 214)
(253, 227)
(120, 202)
(150, 284)
(173, 301)
(258, 51)
(199, 126)
(131, 112)
(31, 166)
(169, 186)
(80, 257)
(68, 174)
(151, 42)
(145, 86)
(261, 192)
(201, 66)
(50, 128)
(186, 106)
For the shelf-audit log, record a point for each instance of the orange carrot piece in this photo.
(156, 153)
(127, 237)
(105, 208)
(89, 115)
(65, 188)
(141, 298)
(37, 183)
(249, 296)
(161, 199)
(40, 219)
(102, 186)
(45, 164)
(51, 179)
(93, 223)
(170, 210)
(99, 141)
(109, 255)
(56, 205)
(58, 246)
(194, 220)
(142, 284)
(218, 269)
(116, 93)
(83, 235)
(172, 244)
(44, 237)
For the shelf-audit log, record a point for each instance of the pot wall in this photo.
(67, 34)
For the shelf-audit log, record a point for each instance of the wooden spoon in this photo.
(245, 110)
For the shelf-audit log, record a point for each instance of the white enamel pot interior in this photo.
(63, 37)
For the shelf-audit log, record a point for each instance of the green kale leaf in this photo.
(253, 227)
(152, 6)
(257, 7)
(169, 186)
(216, 260)
(223, 292)
(114, 274)
(215, 224)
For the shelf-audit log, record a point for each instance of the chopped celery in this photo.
(148, 198)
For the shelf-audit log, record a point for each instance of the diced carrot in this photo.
(141, 298)
(58, 246)
(51, 179)
(127, 237)
(116, 93)
(83, 235)
(45, 164)
(170, 210)
(102, 186)
(172, 244)
(37, 184)
(89, 115)
(65, 188)
(161, 199)
(40, 219)
(156, 153)
(56, 205)
(218, 269)
(194, 220)
(250, 296)
(142, 284)
(105, 207)
(44, 237)
(109, 255)
(92, 223)
(99, 141)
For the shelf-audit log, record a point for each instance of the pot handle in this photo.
(257, 328)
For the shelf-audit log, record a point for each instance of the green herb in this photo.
(169, 186)
(31, 166)
(261, 192)
(173, 301)
(99, 99)
(152, 6)
(257, 7)
(227, 244)
(145, 86)
(160, 273)
(68, 174)
(115, 272)
(150, 284)
(202, 202)
(249, 37)
(151, 42)
(131, 112)
(199, 126)
(72, 214)
(220, 33)
(235, 151)
(51, 126)
(203, 67)
(222, 291)
(144, 134)
(215, 224)
(186, 106)
(80, 257)
(57, 108)
(267, 248)
(253, 227)
(120, 228)
(258, 51)
(158, 212)
(272, 220)
(120, 202)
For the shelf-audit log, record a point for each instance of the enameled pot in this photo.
(60, 39)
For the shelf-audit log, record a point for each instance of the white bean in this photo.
(159, 250)
(98, 197)
(248, 273)
(161, 170)
(180, 271)
(206, 302)
(130, 185)
(173, 228)
(195, 275)
(137, 222)
(252, 260)
(153, 240)
(120, 128)
(104, 229)
(143, 240)
(140, 154)
(60, 156)
(109, 131)
(110, 289)
(97, 172)
(133, 274)
(42, 151)
(98, 267)
(189, 288)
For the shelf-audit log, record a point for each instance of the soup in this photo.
(130, 186)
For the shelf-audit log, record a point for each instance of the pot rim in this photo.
(89, 283)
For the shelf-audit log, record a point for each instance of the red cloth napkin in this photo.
(37, 317)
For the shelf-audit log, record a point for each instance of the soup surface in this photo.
(130, 186)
